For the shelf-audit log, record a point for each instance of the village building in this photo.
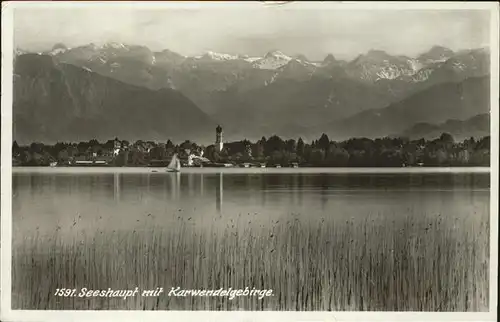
(117, 147)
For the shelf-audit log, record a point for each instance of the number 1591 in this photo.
(65, 292)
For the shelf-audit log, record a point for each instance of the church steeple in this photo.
(218, 138)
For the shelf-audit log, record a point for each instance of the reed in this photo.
(377, 262)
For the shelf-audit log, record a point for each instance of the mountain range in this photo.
(477, 126)
(62, 102)
(434, 105)
(375, 94)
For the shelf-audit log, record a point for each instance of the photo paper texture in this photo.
(225, 160)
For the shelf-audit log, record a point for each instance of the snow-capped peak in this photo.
(211, 55)
(57, 51)
(58, 48)
(272, 60)
(248, 59)
(114, 45)
(436, 53)
(278, 55)
(251, 59)
(219, 56)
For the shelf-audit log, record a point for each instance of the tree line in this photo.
(323, 152)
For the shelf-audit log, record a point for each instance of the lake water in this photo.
(280, 227)
(122, 198)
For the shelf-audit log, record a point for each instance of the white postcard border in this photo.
(6, 314)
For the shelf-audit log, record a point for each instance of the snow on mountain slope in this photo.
(58, 51)
(251, 59)
(436, 54)
(393, 71)
(377, 64)
(216, 56)
(115, 45)
(212, 70)
(422, 75)
(272, 60)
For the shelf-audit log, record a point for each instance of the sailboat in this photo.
(174, 165)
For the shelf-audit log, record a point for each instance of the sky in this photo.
(254, 30)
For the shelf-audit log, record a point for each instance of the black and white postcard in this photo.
(249, 161)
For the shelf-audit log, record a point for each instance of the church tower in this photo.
(218, 139)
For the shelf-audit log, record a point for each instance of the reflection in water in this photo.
(300, 192)
(264, 192)
(190, 185)
(175, 185)
(219, 192)
(324, 197)
(201, 184)
(172, 185)
(120, 200)
(116, 186)
(296, 193)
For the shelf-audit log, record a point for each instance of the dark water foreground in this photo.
(319, 241)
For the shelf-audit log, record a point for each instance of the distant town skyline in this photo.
(254, 31)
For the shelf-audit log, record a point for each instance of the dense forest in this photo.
(272, 151)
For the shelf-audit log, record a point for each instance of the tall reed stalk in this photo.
(398, 262)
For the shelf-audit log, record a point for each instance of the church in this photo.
(219, 149)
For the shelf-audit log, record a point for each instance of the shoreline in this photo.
(312, 170)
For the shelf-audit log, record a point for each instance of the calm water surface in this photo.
(75, 200)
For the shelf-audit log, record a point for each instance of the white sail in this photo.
(175, 164)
